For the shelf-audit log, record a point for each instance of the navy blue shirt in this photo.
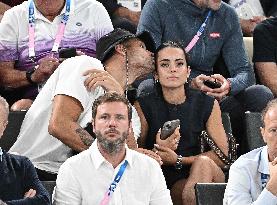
(18, 176)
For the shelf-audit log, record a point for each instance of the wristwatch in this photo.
(29, 76)
(178, 164)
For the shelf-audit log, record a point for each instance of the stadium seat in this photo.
(12, 130)
(253, 123)
(209, 193)
(49, 186)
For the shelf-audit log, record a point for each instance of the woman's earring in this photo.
(156, 80)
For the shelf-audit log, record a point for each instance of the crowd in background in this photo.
(65, 62)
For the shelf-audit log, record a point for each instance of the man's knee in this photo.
(257, 97)
(23, 104)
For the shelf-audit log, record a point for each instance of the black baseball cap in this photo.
(106, 44)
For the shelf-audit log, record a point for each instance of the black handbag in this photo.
(206, 141)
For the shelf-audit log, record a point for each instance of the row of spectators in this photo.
(32, 35)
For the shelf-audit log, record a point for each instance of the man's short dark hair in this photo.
(108, 98)
(269, 105)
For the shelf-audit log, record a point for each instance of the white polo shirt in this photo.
(88, 21)
(45, 151)
(85, 178)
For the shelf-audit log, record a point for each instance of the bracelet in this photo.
(29, 76)
(178, 164)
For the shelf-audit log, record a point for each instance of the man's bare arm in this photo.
(64, 125)
(267, 72)
(12, 77)
(3, 8)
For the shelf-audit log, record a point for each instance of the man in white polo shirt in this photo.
(109, 172)
(32, 34)
(253, 177)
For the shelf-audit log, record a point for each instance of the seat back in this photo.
(253, 123)
(49, 186)
(12, 130)
(209, 193)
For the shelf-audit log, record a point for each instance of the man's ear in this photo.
(262, 129)
(120, 49)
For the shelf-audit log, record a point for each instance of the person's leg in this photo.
(203, 170)
(255, 98)
(23, 104)
(176, 192)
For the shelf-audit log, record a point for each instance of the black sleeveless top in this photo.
(193, 115)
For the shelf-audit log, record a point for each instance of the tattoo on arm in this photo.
(86, 138)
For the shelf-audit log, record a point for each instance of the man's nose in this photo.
(112, 122)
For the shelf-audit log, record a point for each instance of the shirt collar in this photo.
(38, 15)
(263, 165)
(98, 159)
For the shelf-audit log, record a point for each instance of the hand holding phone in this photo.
(212, 84)
(169, 128)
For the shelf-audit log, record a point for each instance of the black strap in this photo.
(232, 152)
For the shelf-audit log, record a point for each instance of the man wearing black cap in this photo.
(63, 107)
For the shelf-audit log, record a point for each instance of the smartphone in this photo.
(169, 128)
(212, 84)
(67, 53)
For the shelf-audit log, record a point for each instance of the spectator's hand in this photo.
(171, 142)
(45, 69)
(258, 19)
(247, 26)
(169, 157)
(198, 83)
(219, 93)
(134, 16)
(150, 154)
(96, 77)
(128, 14)
(29, 194)
(272, 185)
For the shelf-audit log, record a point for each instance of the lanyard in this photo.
(198, 34)
(113, 185)
(264, 177)
(59, 35)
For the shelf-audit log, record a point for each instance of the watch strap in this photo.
(29, 76)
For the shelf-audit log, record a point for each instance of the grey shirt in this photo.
(179, 20)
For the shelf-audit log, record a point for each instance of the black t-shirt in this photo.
(265, 41)
(193, 115)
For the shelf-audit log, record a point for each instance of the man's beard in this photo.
(112, 147)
